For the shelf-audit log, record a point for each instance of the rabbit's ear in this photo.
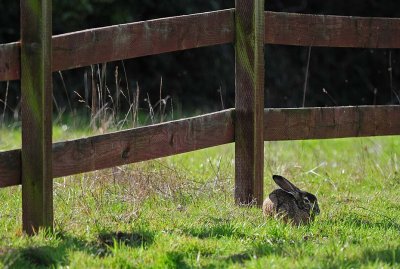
(286, 185)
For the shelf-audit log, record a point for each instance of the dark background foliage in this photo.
(196, 79)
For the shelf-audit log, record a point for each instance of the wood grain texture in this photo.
(10, 168)
(151, 37)
(36, 94)
(330, 122)
(128, 146)
(279, 124)
(249, 101)
(331, 31)
(129, 40)
(10, 61)
(143, 143)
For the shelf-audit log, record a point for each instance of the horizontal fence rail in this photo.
(165, 139)
(129, 40)
(10, 168)
(10, 61)
(157, 36)
(128, 146)
(331, 31)
(330, 122)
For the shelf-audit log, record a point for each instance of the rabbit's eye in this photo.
(308, 204)
(306, 200)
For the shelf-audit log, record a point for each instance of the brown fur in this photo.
(283, 205)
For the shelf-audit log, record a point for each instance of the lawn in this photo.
(178, 212)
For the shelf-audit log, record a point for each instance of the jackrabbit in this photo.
(290, 203)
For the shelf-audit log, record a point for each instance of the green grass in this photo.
(178, 212)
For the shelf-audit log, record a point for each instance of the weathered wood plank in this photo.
(128, 146)
(129, 40)
(279, 124)
(249, 101)
(142, 38)
(36, 93)
(143, 143)
(10, 168)
(331, 31)
(10, 61)
(330, 122)
(151, 37)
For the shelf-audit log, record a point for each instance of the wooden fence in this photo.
(247, 26)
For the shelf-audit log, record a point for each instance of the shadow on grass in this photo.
(362, 222)
(55, 256)
(238, 257)
(174, 259)
(104, 243)
(34, 257)
(136, 239)
(387, 256)
(371, 257)
(258, 251)
(374, 258)
(215, 231)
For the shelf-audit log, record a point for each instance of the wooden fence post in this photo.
(36, 92)
(249, 101)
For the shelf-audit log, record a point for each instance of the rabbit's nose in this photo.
(317, 210)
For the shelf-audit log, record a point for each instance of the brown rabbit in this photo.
(290, 203)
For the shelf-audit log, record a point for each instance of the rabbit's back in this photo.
(281, 204)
